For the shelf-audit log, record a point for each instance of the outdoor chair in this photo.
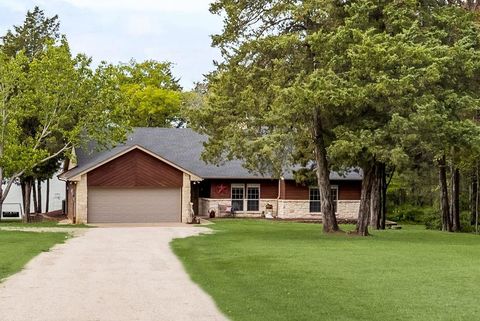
(226, 210)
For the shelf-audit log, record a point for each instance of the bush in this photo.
(408, 213)
(434, 222)
(432, 219)
(429, 216)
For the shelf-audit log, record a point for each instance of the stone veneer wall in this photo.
(186, 197)
(206, 204)
(348, 210)
(81, 200)
(292, 209)
(287, 209)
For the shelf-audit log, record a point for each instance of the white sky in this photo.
(118, 30)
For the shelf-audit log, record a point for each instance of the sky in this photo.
(118, 30)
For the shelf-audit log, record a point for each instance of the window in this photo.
(246, 199)
(253, 198)
(315, 203)
(238, 192)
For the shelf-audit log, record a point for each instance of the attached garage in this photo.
(140, 205)
(131, 185)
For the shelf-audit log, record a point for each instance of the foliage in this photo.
(31, 39)
(369, 81)
(32, 36)
(407, 213)
(432, 221)
(259, 270)
(67, 102)
(153, 95)
(259, 107)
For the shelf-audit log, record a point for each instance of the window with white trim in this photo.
(253, 198)
(315, 205)
(314, 198)
(238, 193)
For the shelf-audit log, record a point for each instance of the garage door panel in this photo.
(127, 205)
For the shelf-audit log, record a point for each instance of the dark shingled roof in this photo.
(182, 147)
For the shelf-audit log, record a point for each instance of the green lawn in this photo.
(5, 223)
(17, 248)
(258, 270)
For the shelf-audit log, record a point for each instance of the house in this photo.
(157, 176)
(12, 208)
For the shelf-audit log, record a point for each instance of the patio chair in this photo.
(226, 210)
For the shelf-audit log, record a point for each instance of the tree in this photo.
(405, 62)
(71, 103)
(272, 102)
(442, 125)
(154, 96)
(32, 36)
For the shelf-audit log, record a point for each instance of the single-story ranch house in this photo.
(157, 174)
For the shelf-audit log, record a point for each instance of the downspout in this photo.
(279, 194)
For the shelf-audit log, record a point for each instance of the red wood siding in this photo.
(222, 188)
(294, 191)
(135, 169)
(347, 190)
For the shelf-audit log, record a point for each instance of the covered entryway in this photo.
(134, 205)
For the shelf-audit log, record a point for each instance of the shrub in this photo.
(411, 213)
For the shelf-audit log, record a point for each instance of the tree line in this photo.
(379, 86)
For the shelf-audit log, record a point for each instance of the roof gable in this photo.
(103, 158)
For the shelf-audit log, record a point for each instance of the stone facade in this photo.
(283, 209)
(348, 210)
(186, 198)
(81, 200)
(293, 209)
(207, 204)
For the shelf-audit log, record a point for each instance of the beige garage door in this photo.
(119, 205)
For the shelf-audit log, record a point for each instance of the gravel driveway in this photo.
(108, 274)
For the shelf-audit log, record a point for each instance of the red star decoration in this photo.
(221, 189)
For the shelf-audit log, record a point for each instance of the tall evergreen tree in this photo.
(32, 36)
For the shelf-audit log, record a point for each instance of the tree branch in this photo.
(9, 184)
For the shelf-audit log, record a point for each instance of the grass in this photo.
(17, 248)
(259, 270)
(39, 224)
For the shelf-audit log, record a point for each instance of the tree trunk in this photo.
(384, 186)
(365, 201)
(477, 199)
(376, 197)
(33, 188)
(47, 197)
(39, 196)
(456, 200)
(329, 219)
(22, 186)
(473, 197)
(27, 199)
(445, 208)
(1, 193)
